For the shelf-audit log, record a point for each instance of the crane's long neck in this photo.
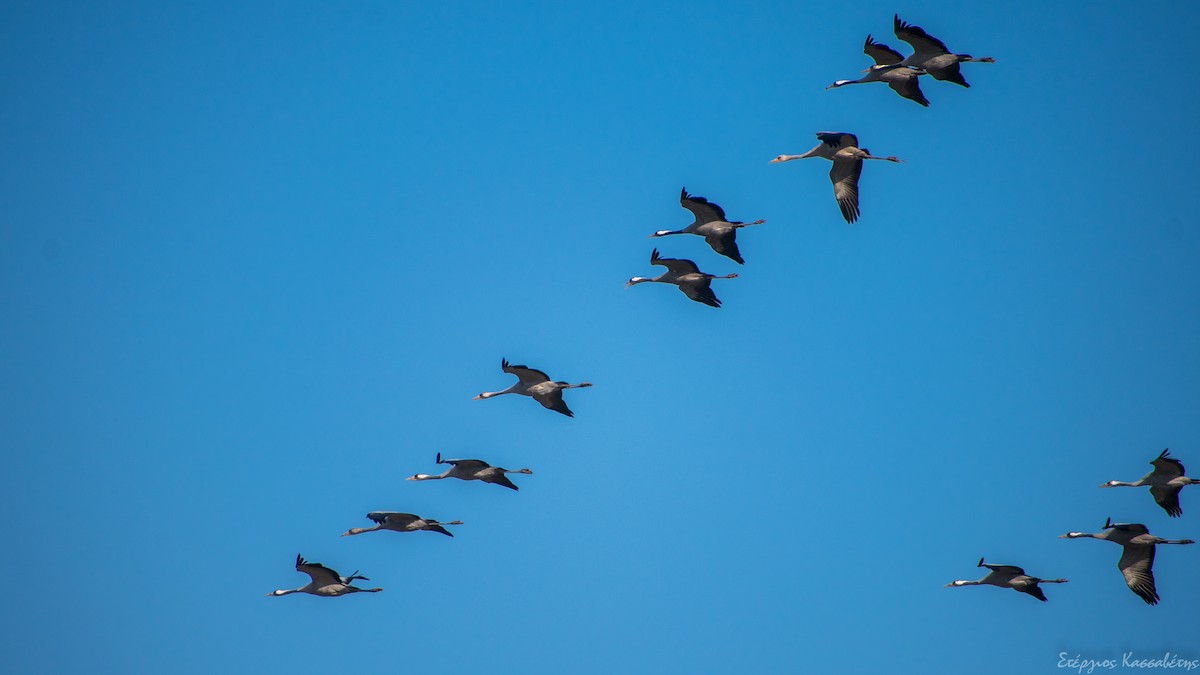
(516, 388)
(1174, 541)
(842, 83)
(1117, 483)
(287, 591)
(426, 476)
(642, 280)
(664, 233)
(964, 582)
(360, 530)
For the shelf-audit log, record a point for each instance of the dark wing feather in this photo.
(500, 479)
(883, 54)
(844, 174)
(1168, 498)
(528, 376)
(1168, 466)
(554, 401)
(1136, 565)
(918, 38)
(1011, 570)
(320, 574)
(951, 73)
(1031, 589)
(906, 83)
(704, 210)
(838, 139)
(439, 528)
(471, 465)
(676, 265)
(701, 292)
(726, 245)
(393, 518)
(1136, 529)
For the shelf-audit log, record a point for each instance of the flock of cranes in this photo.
(1138, 545)
(535, 384)
(930, 57)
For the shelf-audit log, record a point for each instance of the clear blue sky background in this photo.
(255, 261)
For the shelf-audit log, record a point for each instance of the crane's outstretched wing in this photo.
(1030, 589)
(1136, 529)
(320, 574)
(726, 245)
(883, 54)
(1168, 498)
(1167, 466)
(924, 45)
(844, 175)
(906, 83)
(701, 292)
(950, 73)
(1005, 570)
(393, 518)
(1136, 565)
(704, 210)
(836, 140)
(528, 376)
(677, 266)
(500, 479)
(464, 464)
(554, 401)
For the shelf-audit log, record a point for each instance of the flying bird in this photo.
(1165, 481)
(887, 68)
(472, 469)
(325, 582)
(685, 275)
(401, 522)
(930, 54)
(537, 385)
(1009, 576)
(712, 224)
(1137, 556)
(842, 148)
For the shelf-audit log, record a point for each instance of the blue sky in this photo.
(255, 261)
